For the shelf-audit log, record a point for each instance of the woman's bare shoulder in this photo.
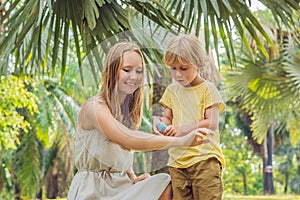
(89, 110)
(93, 102)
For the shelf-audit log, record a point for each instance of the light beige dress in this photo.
(101, 172)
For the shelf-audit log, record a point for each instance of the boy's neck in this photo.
(197, 81)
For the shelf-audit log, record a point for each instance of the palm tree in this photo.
(48, 163)
(34, 31)
(262, 87)
(47, 146)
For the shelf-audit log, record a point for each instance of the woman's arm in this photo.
(134, 179)
(97, 115)
(210, 121)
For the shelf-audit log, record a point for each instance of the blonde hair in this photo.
(130, 112)
(186, 50)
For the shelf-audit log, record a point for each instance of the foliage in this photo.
(268, 91)
(286, 164)
(32, 29)
(47, 139)
(27, 168)
(242, 174)
(15, 99)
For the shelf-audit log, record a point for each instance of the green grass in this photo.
(252, 197)
(264, 197)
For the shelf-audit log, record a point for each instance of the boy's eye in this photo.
(183, 68)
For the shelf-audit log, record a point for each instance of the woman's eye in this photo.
(126, 70)
(139, 71)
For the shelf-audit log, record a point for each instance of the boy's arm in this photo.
(210, 121)
(168, 116)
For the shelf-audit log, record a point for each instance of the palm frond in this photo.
(237, 12)
(266, 91)
(32, 29)
(28, 167)
(45, 119)
(66, 109)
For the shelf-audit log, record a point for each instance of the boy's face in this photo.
(185, 75)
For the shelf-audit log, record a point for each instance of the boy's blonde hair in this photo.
(186, 50)
(130, 113)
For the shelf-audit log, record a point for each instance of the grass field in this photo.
(264, 197)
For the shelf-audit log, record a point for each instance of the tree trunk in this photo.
(245, 183)
(267, 162)
(2, 13)
(17, 192)
(286, 185)
(51, 182)
(159, 157)
(39, 194)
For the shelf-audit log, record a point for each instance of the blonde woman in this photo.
(107, 132)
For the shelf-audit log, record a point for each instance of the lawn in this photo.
(264, 197)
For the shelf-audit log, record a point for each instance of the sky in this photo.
(256, 5)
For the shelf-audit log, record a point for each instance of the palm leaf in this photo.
(45, 119)
(96, 20)
(239, 12)
(28, 167)
(266, 91)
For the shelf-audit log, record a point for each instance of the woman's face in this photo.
(131, 74)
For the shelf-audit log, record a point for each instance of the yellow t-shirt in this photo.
(188, 105)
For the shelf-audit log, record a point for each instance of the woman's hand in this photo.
(140, 178)
(196, 137)
(133, 177)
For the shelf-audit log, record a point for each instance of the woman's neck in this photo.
(122, 99)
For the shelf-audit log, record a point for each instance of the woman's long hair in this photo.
(130, 112)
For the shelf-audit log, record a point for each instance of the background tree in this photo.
(242, 172)
(262, 87)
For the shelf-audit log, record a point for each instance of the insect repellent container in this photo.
(161, 126)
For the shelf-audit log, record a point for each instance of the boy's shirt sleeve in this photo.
(166, 98)
(213, 96)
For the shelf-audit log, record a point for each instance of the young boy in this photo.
(189, 103)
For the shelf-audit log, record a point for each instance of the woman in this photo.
(107, 131)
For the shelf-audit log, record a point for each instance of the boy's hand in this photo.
(171, 130)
